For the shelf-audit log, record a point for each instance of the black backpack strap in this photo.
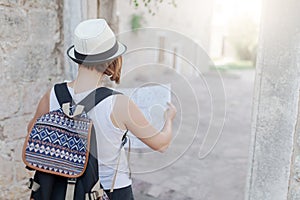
(62, 94)
(96, 97)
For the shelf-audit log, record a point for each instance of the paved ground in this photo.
(221, 175)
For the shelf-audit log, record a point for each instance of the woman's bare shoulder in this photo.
(121, 102)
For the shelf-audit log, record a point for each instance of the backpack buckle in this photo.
(70, 188)
(66, 109)
(96, 194)
(72, 180)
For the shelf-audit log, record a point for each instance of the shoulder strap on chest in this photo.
(96, 97)
(90, 101)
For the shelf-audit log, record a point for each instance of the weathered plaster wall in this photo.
(31, 60)
(275, 107)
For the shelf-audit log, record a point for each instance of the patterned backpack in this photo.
(62, 148)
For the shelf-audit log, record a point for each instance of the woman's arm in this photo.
(126, 114)
(43, 108)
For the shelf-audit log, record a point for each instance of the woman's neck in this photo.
(87, 79)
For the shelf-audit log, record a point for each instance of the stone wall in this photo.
(31, 60)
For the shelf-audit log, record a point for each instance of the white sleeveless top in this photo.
(108, 140)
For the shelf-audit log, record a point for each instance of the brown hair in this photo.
(111, 69)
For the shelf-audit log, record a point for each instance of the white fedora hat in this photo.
(95, 43)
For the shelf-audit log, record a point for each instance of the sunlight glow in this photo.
(227, 10)
(235, 29)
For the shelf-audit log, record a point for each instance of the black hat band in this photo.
(100, 56)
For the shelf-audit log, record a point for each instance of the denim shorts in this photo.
(121, 194)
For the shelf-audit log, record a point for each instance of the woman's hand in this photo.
(170, 112)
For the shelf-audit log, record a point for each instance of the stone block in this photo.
(45, 4)
(4, 193)
(44, 27)
(202, 192)
(22, 174)
(10, 67)
(176, 195)
(6, 172)
(14, 26)
(2, 137)
(178, 182)
(33, 62)
(7, 47)
(11, 3)
(7, 149)
(17, 153)
(15, 128)
(10, 102)
(156, 190)
(18, 192)
(32, 93)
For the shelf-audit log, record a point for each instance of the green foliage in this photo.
(234, 65)
(136, 22)
(152, 5)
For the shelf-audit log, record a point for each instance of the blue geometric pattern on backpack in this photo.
(58, 143)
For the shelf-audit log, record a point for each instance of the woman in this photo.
(98, 54)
